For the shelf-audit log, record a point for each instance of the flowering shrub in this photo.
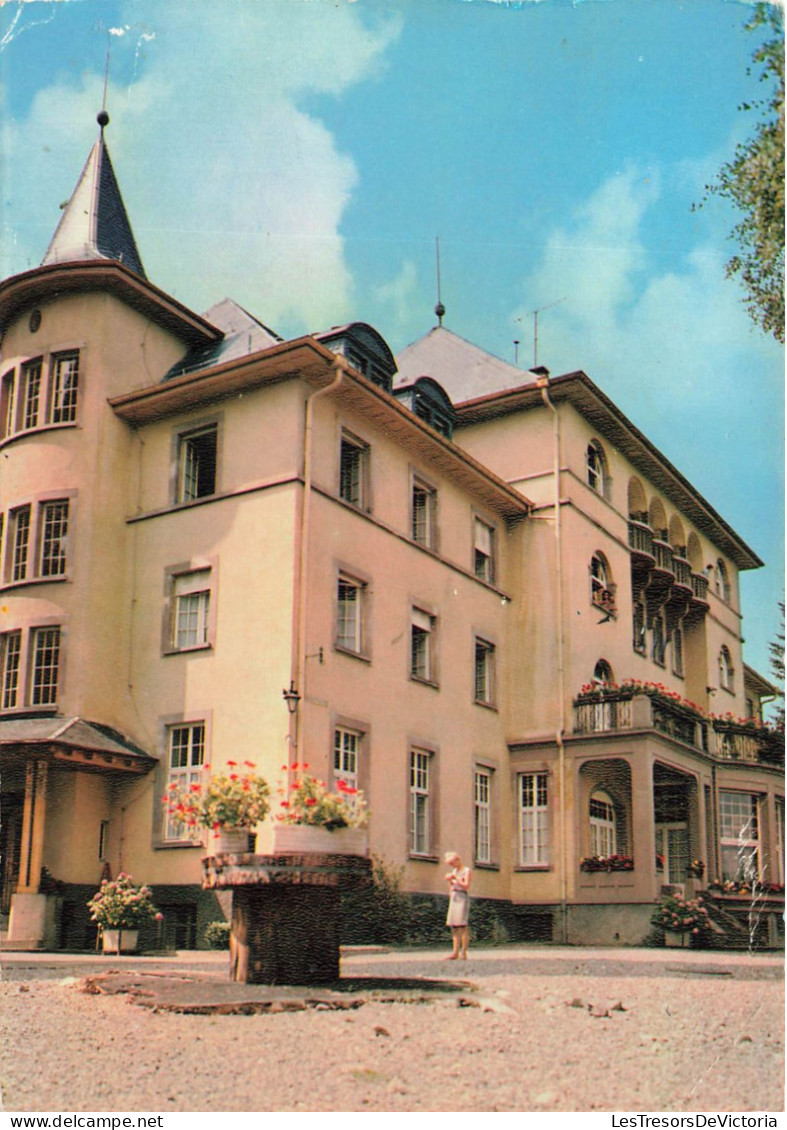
(680, 915)
(606, 863)
(229, 800)
(695, 869)
(310, 802)
(119, 905)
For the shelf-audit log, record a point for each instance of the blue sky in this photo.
(301, 156)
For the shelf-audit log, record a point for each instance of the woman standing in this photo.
(458, 879)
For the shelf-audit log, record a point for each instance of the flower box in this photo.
(119, 941)
(298, 839)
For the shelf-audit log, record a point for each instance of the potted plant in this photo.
(228, 804)
(681, 919)
(313, 818)
(606, 863)
(119, 907)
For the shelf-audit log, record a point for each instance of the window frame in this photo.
(426, 538)
(658, 649)
(678, 652)
(41, 686)
(359, 647)
(596, 469)
(22, 559)
(64, 390)
(603, 826)
(37, 392)
(730, 839)
(423, 628)
(422, 832)
(190, 773)
(184, 437)
(177, 581)
(483, 812)
(355, 491)
(726, 670)
(485, 653)
(11, 674)
(484, 550)
(538, 813)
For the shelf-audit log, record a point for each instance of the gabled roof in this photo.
(94, 224)
(463, 369)
(73, 741)
(243, 334)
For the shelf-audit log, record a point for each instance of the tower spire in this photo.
(94, 224)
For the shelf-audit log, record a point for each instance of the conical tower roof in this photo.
(94, 224)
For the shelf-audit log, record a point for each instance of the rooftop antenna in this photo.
(540, 310)
(439, 308)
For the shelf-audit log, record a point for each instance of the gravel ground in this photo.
(548, 1039)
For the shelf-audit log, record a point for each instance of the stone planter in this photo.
(229, 840)
(675, 940)
(119, 941)
(297, 839)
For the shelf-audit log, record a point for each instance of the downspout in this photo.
(560, 730)
(299, 665)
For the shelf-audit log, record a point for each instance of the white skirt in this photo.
(458, 909)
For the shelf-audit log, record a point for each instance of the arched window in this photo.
(602, 674)
(602, 589)
(603, 824)
(722, 581)
(726, 670)
(596, 466)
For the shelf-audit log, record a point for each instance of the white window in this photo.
(53, 535)
(8, 403)
(739, 835)
(726, 672)
(484, 672)
(346, 754)
(191, 609)
(422, 629)
(602, 591)
(46, 663)
(482, 809)
(603, 825)
(31, 394)
(185, 756)
(595, 466)
(349, 627)
(533, 820)
(197, 462)
(20, 542)
(672, 844)
(483, 551)
(722, 581)
(65, 385)
(353, 470)
(10, 656)
(420, 770)
(424, 526)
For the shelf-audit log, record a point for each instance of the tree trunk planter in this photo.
(286, 912)
(119, 941)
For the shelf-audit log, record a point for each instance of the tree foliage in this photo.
(776, 649)
(753, 181)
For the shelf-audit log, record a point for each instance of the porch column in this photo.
(643, 824)
(33, 821)
(27, 924)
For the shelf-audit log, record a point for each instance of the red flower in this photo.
(233, 776)
(249, 764)
(233, 763)
(216, 827)
(195, 788)
(310, 800)
(285, 804)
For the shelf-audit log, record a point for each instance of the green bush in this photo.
(217, 935)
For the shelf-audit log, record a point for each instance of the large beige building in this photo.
(507, 617)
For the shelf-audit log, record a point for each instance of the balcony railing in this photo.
(662, 551)
(641, 538)
(699, 587)
(646, 706)
(682, 572)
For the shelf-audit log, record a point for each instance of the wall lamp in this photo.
(291, 697)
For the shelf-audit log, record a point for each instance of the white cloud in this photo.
(232, 185)
(397, 297)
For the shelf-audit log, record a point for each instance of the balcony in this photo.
(648, 706)
(641, 545)
(698, 605)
